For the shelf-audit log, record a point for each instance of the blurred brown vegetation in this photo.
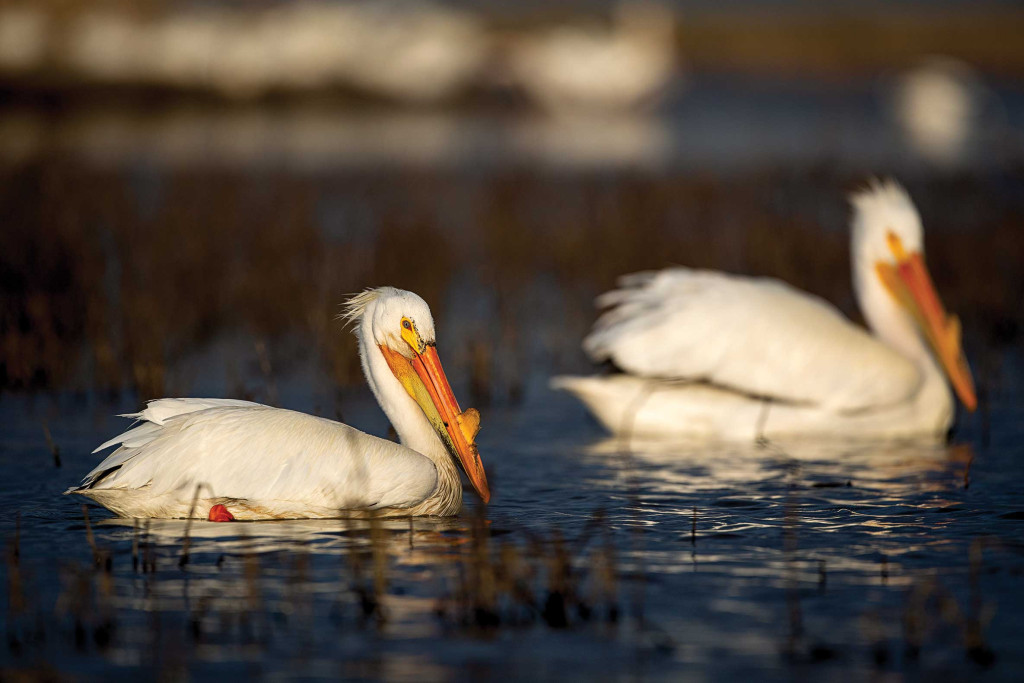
(860, 39)
(110, 277)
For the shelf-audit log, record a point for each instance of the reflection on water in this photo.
(891, 467)
(663, 558)
(720, 125)
(312, 138)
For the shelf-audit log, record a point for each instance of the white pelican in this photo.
(251, 461)
(939, 105)
(570, 70)
(711, 355)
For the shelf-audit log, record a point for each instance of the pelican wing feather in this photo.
(753, 335)
(244, 450)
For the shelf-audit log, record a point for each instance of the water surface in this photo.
(657, 560)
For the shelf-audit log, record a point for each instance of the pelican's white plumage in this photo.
(279, 460)
(263, 462)
(570, 70)
(744, 334)
(714, 355)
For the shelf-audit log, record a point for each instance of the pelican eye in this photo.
(406, 324)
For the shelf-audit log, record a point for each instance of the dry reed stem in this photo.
(89, 536)
(186, 542)
(54, 448)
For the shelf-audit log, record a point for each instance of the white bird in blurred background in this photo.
(710, 355)
(412, 52)
(224, 459)
(938, 104)
(415, 52)
(574, 69)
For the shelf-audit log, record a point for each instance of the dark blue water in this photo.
(663, 561)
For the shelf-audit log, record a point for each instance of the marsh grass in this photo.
(543, 581)
(239, 595)
(114, 280)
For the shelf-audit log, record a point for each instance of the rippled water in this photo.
(594, 559)
(204, 252)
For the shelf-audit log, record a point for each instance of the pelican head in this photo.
(399, 323)
(894, 285)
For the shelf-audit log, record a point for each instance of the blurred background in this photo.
(188, 189)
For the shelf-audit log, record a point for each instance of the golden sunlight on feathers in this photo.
(190, 455)
(710, 355)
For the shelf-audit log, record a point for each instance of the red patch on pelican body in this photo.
(219, 513)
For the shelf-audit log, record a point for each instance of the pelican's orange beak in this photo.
(424, 379)
(461, 427)
(909, 282)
